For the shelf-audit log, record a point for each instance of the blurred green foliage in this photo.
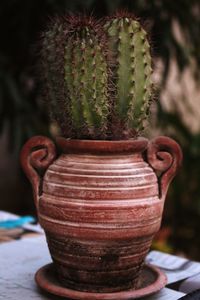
(22, 111)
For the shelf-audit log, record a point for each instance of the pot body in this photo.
(100, 207)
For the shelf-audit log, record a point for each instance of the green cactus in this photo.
(97, 76)
(76, 75)
(130, 52)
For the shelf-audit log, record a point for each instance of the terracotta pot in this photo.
(100, 204)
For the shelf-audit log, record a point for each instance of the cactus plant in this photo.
(76, 76)
(97, 76)
(131, 69)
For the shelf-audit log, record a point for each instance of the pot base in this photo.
(151, 280)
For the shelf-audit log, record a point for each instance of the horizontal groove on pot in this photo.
(101, 194)
(99, 182)
(111, 285)
(98, 172)
(102, 165)
(98, 193)
(80, 158)
(88, 246)
(125, 187)
(88, 265)
(101, 277)
(122, 254)
(142, 213)
(58, 174)
(61, 201)
(103, 225)
(100, 233)
(103, 262)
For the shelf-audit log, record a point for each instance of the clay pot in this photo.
(100, 204)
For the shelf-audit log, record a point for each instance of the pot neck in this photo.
(136, 146)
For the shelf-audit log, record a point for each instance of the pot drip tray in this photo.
(151, 280)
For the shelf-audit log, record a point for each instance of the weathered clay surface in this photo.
(100, 204)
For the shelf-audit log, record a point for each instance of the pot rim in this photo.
(68, 145)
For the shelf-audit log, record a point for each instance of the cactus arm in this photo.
(85, 101)
(70, 80)
(86, 77)
(132, 71)
(53, 73)
(101, 97)
(142, 67)
(121, 70)
(124, 71)
(76, 79)
(49, 72)
(96, 85)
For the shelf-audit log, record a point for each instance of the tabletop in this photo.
(19, 260)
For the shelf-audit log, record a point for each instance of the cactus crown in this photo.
(97, 76)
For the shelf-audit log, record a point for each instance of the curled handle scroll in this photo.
(165, 156)
(36, 156)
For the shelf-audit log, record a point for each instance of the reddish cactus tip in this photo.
(122, 14)
(80, 21)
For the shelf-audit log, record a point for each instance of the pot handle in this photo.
(165, 156)
(36, 155)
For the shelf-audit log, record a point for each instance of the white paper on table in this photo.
(191, 284)
(176, 268)
(165, 294)
(5, 216)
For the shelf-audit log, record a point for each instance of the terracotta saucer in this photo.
(151, 281)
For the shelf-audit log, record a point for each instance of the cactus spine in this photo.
(130, 52)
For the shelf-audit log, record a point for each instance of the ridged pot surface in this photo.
(100, 206)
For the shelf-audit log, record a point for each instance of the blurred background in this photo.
(174, 29)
